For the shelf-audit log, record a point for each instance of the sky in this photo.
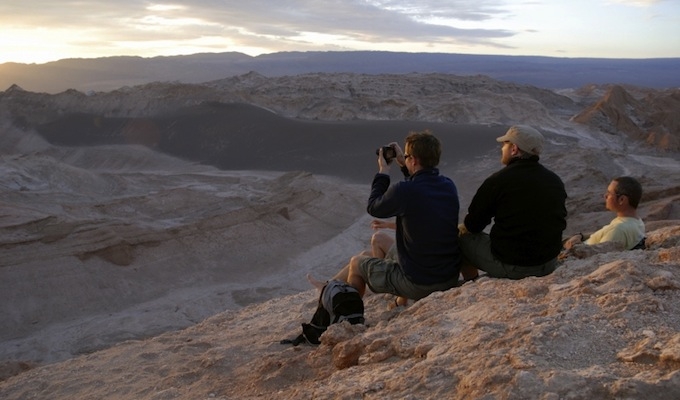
(39, 31)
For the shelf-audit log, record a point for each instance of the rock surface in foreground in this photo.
(599, 328)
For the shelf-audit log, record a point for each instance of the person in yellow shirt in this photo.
(627, 230)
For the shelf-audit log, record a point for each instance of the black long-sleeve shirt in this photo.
(526, 202)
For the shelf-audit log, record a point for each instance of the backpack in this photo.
(338, 302)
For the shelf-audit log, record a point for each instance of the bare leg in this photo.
(380, 244)
(343, 274)
(354, 278)
(315, 282)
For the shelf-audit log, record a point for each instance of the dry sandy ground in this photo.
(104, 248)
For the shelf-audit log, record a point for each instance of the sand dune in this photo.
(245, 137)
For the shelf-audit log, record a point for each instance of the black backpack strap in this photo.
(338, 301)
(312, 333)
(298, 340)
(641, 245)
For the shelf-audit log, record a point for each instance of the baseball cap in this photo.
(525, 137)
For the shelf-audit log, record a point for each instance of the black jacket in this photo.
(526, 201)
(426, 206)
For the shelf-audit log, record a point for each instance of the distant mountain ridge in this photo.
(103, 74)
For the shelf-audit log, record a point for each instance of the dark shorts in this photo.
(386, 276)
(476, 248)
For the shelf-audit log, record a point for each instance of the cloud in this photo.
(263, 23)
(637, 3)
(464, 10)
(47, 30)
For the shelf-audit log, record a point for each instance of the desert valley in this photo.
(154, 241)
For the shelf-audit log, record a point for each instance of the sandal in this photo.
(396, 304)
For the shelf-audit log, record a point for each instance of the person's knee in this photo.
(379, 239)
(381, 242)
(355, 262)
(375, 238)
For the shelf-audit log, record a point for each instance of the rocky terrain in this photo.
(110, 73)
(650, 116)
(132, 266)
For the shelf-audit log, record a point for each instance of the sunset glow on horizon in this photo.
(43, 31)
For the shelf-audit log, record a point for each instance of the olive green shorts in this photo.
(387, 276)
(476, 248)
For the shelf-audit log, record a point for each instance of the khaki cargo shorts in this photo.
(476, 248)
(387, 276)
